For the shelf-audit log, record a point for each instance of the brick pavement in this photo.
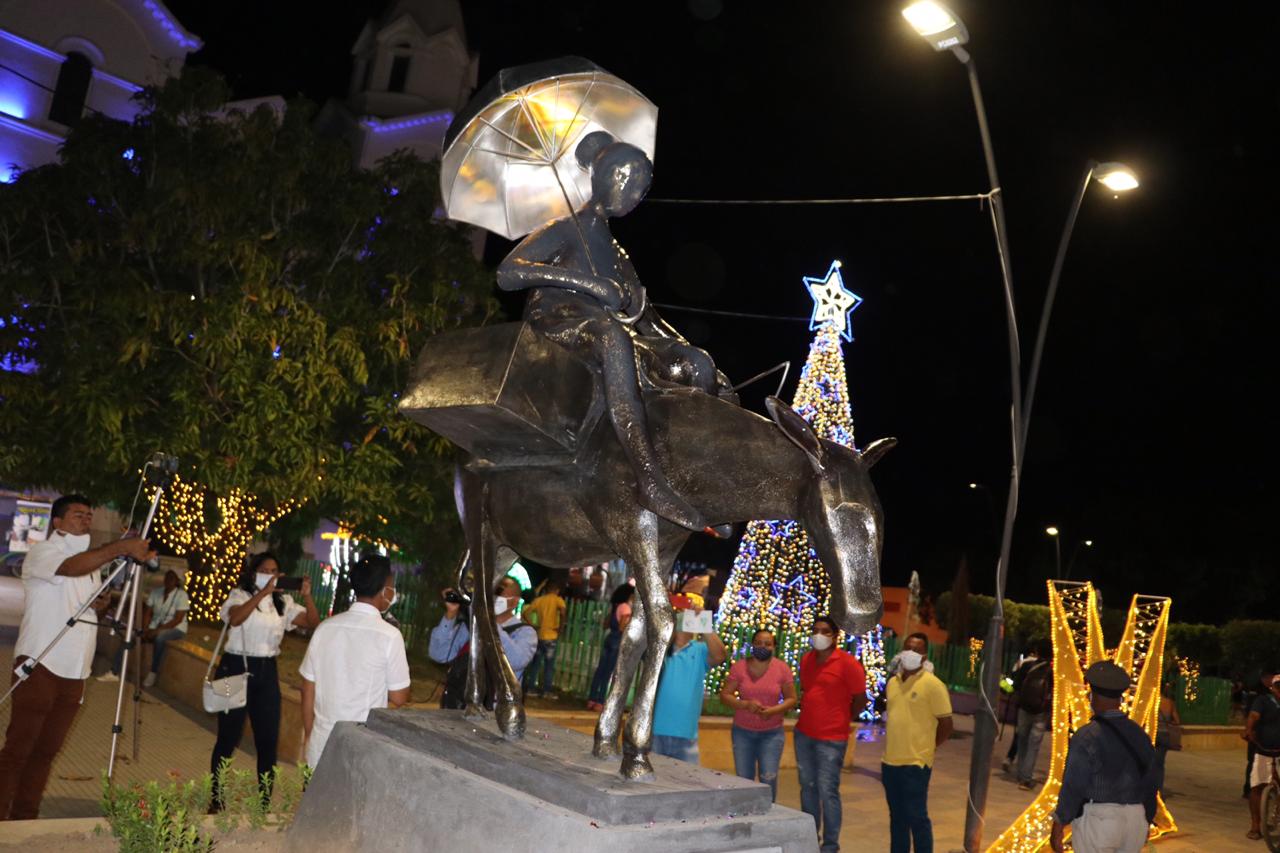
(173, 741)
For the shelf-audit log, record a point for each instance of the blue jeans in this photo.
(756, 755)
(157, 657)
(1030, 733)
(906, 789)
(544, 663)
(679, 748)
(818, 764)
(604, 669)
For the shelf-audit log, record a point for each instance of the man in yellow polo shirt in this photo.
(547, 613)
(917, 721)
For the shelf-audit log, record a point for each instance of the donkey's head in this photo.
(842, 516)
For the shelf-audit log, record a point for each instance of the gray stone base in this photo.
(429, 780)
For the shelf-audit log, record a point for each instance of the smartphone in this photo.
(289, 584)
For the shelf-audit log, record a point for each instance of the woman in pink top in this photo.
(761, 689)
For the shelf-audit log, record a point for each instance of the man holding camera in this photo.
(677, 706)
(58, 576)
(355, 661)
(519, 639)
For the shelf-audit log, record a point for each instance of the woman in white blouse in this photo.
(258, 617)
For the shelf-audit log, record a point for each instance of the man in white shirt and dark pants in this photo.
(58, 576)
(356, 660)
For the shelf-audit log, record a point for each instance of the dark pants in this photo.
(42, 712)
(263, 711)
(604, 669)
(161, 641)
(906, 789)
(818, 764)
(541, 671)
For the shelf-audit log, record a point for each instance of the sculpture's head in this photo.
(620, 172)
(842, 516)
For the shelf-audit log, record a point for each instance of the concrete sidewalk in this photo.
(174, 743)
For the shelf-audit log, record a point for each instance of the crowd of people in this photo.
(356, 661)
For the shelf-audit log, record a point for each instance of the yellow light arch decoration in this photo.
(1078, 643)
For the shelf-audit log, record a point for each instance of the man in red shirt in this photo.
(833, 688)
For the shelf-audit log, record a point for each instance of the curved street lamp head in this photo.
(1052, 531)
(936, 24)
(1088, 543)
(973, 485)
(1116, 177)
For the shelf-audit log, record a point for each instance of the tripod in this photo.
(129, 596)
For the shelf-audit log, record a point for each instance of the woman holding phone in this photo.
(258, 615)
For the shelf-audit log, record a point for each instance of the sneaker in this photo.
(150, 680)
(108, 676)
(1026, 786)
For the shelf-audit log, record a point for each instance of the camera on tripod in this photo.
(160, 469)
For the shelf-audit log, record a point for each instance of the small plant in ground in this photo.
(155, 816)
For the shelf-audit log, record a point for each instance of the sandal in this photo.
(1254, 834)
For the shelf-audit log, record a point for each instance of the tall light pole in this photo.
(1088, 543)
(1116, 177)
(1057, 550)
(944, 31)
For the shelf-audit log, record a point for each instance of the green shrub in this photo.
(1200, 643)
(146, 818)
(1249, 645)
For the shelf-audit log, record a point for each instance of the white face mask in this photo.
(911, 661)
(392, 602)
(821, 642)
(500, 605)
(263, 578)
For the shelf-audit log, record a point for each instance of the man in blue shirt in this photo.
(519, 639)
(679, 702)
(1108, 795)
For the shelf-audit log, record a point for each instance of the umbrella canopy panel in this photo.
(509, 165)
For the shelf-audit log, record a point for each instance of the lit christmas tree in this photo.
(777, 581)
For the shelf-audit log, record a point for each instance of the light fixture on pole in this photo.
(1057, 549)
(1116, 177)
(1088, 543)
(944, 30)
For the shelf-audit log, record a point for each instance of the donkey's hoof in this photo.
(636, 767)
(511, 720)
(605, 748)
(475, 713)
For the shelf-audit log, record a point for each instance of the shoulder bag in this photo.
(229, 693)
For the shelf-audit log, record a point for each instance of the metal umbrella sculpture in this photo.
(505, 166)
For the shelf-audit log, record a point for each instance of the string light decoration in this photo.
(1078, 643)
(869, 649)
(192, 520)
(777, 581)
(1189, 670)
(975, 651)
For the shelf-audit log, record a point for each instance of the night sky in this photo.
(1150, 435)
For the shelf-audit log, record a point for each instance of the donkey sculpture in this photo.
(730, 464)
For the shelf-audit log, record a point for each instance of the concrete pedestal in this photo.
(429, 780)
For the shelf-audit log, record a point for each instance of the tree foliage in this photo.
(228, 287)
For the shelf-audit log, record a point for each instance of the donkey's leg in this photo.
(652, 568)
(510, 705)
(610, 722)
(471, 494)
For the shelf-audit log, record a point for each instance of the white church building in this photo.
(411, 73)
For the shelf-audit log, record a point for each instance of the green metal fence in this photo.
(1212, 705)
(410, 609)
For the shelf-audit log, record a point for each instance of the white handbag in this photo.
(229, 693)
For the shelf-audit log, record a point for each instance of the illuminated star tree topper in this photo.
(833, 303)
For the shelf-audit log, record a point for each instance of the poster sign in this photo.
(30, 525)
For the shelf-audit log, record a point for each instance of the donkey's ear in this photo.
(872, 452)
(796, 429)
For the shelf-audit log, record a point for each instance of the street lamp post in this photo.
(944, 31)
(1088, 543)
(1057, 550)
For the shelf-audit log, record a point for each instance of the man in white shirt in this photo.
(356, 660)
(165, 618)
(58, 576)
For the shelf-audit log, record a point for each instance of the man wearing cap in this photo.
(1262, 730)
(1108, 794)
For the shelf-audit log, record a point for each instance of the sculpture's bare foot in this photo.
(511, 720)
(475, 713)
(636, 767)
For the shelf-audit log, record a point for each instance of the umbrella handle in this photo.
(634, 318)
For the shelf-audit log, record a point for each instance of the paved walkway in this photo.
(1203, 787)
(174, 743)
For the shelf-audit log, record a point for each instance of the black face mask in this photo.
(760, 653)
